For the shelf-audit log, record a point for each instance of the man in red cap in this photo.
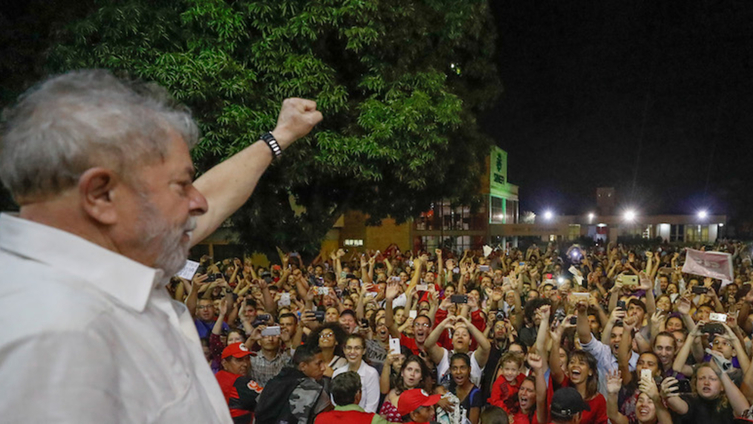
(417, 406)
(240, 391)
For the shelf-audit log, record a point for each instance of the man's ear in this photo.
(96, 187)
(358, 397)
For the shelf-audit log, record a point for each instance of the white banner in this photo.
(189, 270)
(709, 264)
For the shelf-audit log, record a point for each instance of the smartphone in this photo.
(319, 315)
(395, 279)
(211, 278)
(718, 317)
(684, 386)
(500, 315)
(364, 322)
(521, 264)
(459, 298)
(483, 268)
(646, 374)
(629, 280)
(395, 346)
(700, 290)
(264, 317)
(271, 331)
(284, 299)
(322, 290)
(573, 320)
(550, 276)
(422, 287)
(293, 254)
(413, 314)
(621, 305)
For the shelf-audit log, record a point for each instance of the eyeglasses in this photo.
(418, 324)
(326, 336)
(355, 348)
(204, 306)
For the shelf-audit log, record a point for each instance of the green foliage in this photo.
(399, 128)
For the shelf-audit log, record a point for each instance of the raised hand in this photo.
(535, 361)
(393, 289)
(683, 305)
(670, 388)
(223, 307)
(297, 118)
(614, 382)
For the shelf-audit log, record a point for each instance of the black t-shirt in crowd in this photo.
(706, 411)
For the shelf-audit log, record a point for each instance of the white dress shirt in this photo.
(92, 336)
(369, 385)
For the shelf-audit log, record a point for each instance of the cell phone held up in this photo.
(700, 290)
(459, 298)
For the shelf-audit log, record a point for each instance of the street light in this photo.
(591, 217)
(630, 215)
(548, 215)
(703, 214)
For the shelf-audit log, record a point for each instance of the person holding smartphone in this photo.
(649, 407)
(716, 399)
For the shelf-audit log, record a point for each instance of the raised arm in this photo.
(440, 270)
(484, 347)
(614, 384)
(228, 185)
(389, 315)
(682, 356)
(430, 345)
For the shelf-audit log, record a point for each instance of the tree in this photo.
(399, 83)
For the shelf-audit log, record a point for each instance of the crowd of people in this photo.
(543, 334)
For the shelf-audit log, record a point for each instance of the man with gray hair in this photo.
(102, 173)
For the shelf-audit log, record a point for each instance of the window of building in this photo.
(497, 210)
(353, 242)
(443, 216)
(573, 231)
(677, 233)
(647, 231)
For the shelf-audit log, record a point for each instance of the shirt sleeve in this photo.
(73, 371)
(600, 351)
(371, 391)
(215, 346)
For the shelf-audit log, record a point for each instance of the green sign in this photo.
(498, 170)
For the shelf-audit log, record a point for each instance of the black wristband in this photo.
(272, 144)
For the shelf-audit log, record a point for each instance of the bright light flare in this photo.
(630, 215)
(703, 214)
(548, 215)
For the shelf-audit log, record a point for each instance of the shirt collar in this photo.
(351, 407)
(120, 277)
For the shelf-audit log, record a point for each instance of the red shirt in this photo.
(344, 417)
(240, 393)
(598, 412)
(503, 390)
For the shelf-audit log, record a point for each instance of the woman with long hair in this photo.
(582, 374)
(412, 375)
(715, 398)
(649, 408)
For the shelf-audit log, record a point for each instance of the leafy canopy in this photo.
(399, 83)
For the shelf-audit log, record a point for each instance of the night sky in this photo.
(652, 98)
